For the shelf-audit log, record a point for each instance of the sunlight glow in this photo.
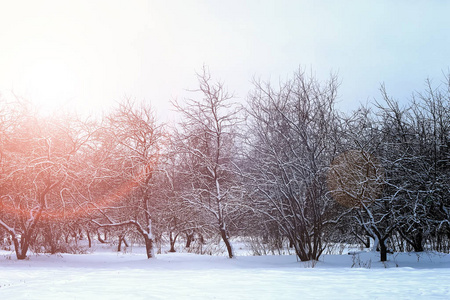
(78, 209)
(51, 83)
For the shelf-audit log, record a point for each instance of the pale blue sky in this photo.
(89, 54)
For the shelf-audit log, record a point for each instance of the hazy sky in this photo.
(90, 54)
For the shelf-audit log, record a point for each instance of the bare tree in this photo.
(431, 115)
(291, 143)
(180, 218)
(39, 162)
(395, 183)
(206, 141)
(419, 135)
(125, 179)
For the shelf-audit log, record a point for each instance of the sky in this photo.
(89, 55)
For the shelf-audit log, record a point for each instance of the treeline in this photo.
(286, 166)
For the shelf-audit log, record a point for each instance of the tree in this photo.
(125, 178)
(178, 216)
(419, 135)
(39, 162)
(391, 169)
(206, 140)
(430, 118)
(356, 180)
(291, 142)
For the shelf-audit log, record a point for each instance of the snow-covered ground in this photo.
(109, 275)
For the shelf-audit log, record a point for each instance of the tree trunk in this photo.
(119, 246)
(201, 239)
(121, 240)
(100, 238)
(291, 243)
(414, 240)
(172, 240)
(149, 247)
(301, 252)
(22, 243)
(21, 246)
(89, 238)
(225, 239)
(383, 250)
(418, 241)
(189, 239)
(50, 239)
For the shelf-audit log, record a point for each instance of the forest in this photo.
(285, 168)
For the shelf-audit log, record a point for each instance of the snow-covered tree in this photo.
(418, 135)
(39, 166)
(291, 141)
(124, 178)
(206, 141)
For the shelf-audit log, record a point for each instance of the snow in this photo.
(111, 275)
